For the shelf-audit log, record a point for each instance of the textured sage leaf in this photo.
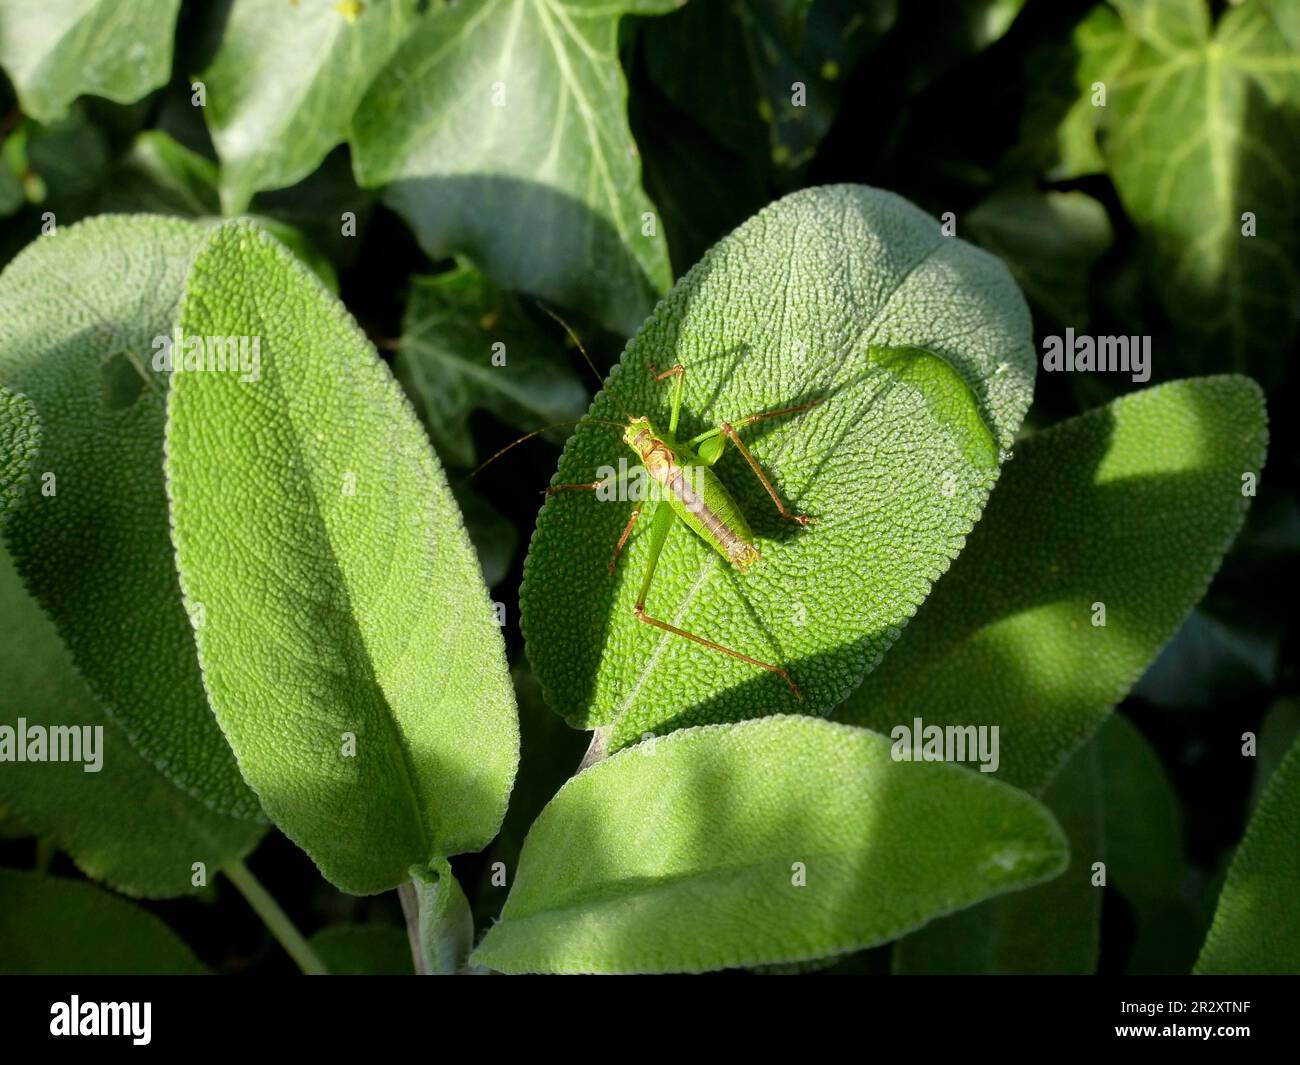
(1053, 928)
(1256, 925)
(57, 50)
(79, 313)
(20, 440)
(1201, 125)
(468, 345)
(500, 129)
(125, 823)
(685, 854)
(273, 121)
(817, 297)
(347, 641)
(1129, 507)
(1049, 241)
(364, 950)
(53, 926)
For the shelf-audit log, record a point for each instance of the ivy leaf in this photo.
(1049, 241)
(54, 926)
(1202, 126)
(79, 314)
(57, 50)
(736, 69)
(273, 122)
(20, 441)
(466, 345)
(125, 823)
(1053, 928)
(820, 296)
(1129, 507)
(347, 645)
(501, 131)
(160, 175)
(778, 840)
(1256, 925)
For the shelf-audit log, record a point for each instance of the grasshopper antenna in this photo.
(536, 432)
(591, 365)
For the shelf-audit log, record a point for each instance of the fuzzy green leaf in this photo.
(20, 442)
(79, 314)
(817, 297)
(273, 121)
(53, 926)
(125, 823)
(500, 129)
(450, 364)
(1256, 925)
(1202, 125)
(340, 594)
(1052, 928)
(57, 50)
(1130, 506)
(1049, 241)
(364, 950)
(680, 855)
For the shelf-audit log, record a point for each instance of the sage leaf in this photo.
(347, 643)
(80, 314)
(124, 823)
(1256, 925)
(20, 437)
(1119, 516)
(52, 926)
(918, 347)
(1052, 928)
(772, 841)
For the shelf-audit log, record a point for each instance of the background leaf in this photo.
(1257, 923)
(274, 122)
(542, 191)
(800, 303)
(57, 50)
(445, 361)
(364, 950)
(1052, 928)
(1131, 505)
(339, 590)
(679, 854)
(1050, 242)
(1210, 128)
(79, 312)
(53, 926)
(126, 823)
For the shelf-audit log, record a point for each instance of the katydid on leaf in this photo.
(690, 492)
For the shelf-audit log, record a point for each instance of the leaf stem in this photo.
(275, 919)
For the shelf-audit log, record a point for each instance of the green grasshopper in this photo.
(694, 494)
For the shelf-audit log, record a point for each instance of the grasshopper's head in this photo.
(639, 435)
